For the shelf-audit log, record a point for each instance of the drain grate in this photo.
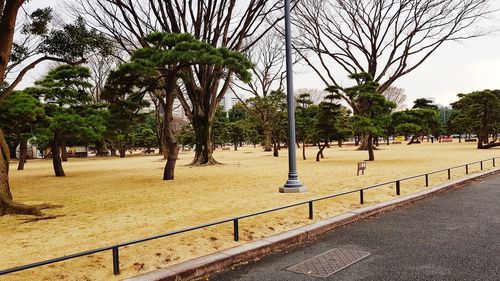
(328, 263)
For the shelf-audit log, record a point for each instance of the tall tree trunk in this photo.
(123, 152)
(365, 142)
(356, 140)
(203, 134)
(339, 143)
(172, 148)
(268, 146)
(56, 157)
(165, 152)
(64, 151)
(23, 153)
(412, 140)
(99, 148)
(459, 138)
(7, 206)
(320, 152)
(276, 150)
(304, 150)
(371, 155)
(13, 147)
(112, 151)
(235, 146)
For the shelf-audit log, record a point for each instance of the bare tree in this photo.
(269, 73)
(235, 25)
(385, 38)
(101, 67)
(397, 96)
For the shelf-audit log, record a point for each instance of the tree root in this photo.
(200, 162)
(13, 208)
(35, 219)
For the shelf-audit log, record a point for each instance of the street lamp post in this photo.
(293, 184)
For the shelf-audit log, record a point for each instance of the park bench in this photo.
(471, 140)
(396, 142)
(447, 140)
(148, 151)
(226, 148)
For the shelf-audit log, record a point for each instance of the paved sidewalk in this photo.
(453, 236)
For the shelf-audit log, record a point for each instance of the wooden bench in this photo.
(226, 148)
(471, 140)
(447, 140)
(396, 142)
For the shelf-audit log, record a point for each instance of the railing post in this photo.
(311, 211)
(361, 197)
(236, 230)
(481, 165)
(116, 261)
(426, 180)
(466, 169)
(449, 174)
(398, 188)
(493, 162)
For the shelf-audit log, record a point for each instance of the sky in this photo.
(457, 67)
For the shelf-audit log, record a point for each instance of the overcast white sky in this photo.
(455, 67)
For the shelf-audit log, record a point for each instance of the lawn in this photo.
(111, 200)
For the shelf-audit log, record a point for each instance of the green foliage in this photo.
(417, 122)
(306, 117)
(332, 121)
(20, 115)
(220, 127)
(66, 85)
(240, 126)
(186, 135)
(38, 22)
(169, 56)
(75, 41)
(270, 113)
(372, 109)
(424, 103)
(480, 113)
(183, 49)
(144, 136)
(65, 90)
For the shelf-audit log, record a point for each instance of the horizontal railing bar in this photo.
(72, 256)
(99, 250)
(173, 233)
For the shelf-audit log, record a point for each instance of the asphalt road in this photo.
(453, 236)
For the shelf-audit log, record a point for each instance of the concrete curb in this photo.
(223, 259)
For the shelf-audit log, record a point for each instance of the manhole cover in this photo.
(328, 263)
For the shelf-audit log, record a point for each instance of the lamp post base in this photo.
(293, 188)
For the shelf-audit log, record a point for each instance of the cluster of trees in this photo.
(162, 51)
(478, 113)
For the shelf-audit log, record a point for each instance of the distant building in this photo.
(230, 99)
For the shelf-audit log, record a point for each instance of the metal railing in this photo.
(115, 248)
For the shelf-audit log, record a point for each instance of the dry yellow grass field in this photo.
(107, 201)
